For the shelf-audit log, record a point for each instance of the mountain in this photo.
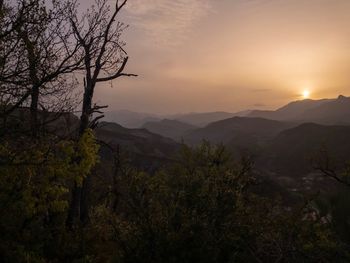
(203, 119)
(291, 152)
(265, 114)
(130, 119)
(169, 128)
(145, 150)
(291, 111)
(63, 124)
(139, 141)
(240, 129)
(325, 111)
(296, 109)
(333, 112)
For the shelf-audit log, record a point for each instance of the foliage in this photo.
(202, 210)
(34, 183)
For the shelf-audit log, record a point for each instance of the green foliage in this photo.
(202, 210)
(35, 178)
(87, 155)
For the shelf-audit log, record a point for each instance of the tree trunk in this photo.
(84, 200)
(74, 206)
(86, 112)
(34, 111)
(79, 207)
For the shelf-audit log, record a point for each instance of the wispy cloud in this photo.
(167, 22)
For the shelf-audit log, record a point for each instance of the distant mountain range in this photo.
(203, 119)
(325, 111)
(169, 128)
(139, 141)
(226, 130)
(283, 141)
(130, 119)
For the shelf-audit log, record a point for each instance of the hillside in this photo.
(291, 111)
(169, 128)
(292, 151)
(226, 130)
(136, 141)
(325, 111)
(203, 119)
(129, 119)
(333, 112)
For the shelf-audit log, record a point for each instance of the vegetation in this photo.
(63, 200)
(202, 209)
(35, 179)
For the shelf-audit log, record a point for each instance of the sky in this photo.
(230, 55)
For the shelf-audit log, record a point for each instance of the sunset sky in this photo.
(230, 55)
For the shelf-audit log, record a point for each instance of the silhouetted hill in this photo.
(332, 112)
(203, 119)
(325, 111)
(291, 152)
(139, 141)
(295, 109)
(169, 128)
(238, 128)
(63, 124)
(291, 111)
(130, 119)
(265, 114)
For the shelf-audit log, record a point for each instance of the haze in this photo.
(230, 55)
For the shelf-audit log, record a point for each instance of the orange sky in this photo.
(208, 55)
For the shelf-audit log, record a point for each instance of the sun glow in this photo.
(306, 94)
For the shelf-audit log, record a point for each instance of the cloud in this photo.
(167, 22)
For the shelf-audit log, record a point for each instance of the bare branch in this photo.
(118, 74)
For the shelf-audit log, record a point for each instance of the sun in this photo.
(306, 94)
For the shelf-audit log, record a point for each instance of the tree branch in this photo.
(118, 74)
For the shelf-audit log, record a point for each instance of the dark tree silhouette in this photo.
(38, 52)
(99, 34)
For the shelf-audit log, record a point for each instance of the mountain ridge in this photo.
(223, 131)
(173, 129)
(323, 111)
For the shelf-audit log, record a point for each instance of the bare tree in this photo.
(11, 66)
(38, 56)
(99, 34)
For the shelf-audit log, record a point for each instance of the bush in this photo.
(202, 210)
